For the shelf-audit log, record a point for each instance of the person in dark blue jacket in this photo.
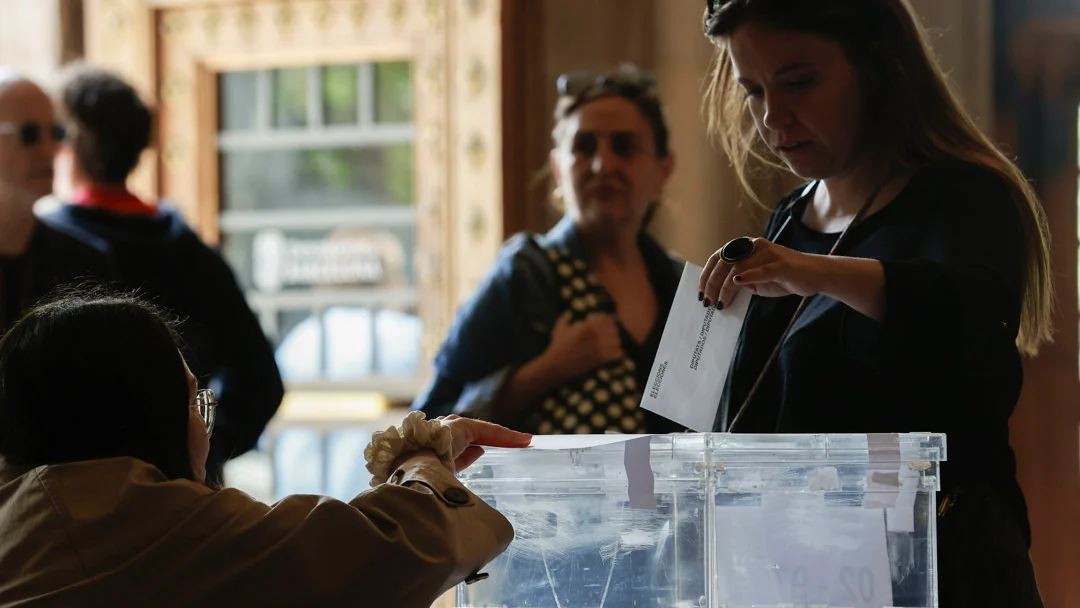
(36, 256)
(159, 255)
(561, 334)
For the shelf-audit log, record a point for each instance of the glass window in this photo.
(272, 260)
(337, 177)
(341, 94)
(318, 217)
(393, 92)
(349, 343)
(237, 101)
(290, 91)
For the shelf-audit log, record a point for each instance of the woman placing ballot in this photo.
(897, 290)
(561, 335)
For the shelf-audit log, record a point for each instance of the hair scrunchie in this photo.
(415, 434)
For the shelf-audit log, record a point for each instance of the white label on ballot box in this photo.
(802, 554)
(691, 364)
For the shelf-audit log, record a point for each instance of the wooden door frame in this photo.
(171, 51)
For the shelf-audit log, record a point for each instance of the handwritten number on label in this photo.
(797, 584)
(859, 585)
(866, 583)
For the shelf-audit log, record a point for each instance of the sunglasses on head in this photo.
(711, 6)
(627, 81)
(30, 133)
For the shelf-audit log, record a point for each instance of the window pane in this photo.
(340, 94)
(288, 321)
(321, 177)
(335, 290)
(237, 109)
(272, 260)
(350, 343)
(393, 92)
(290, 97)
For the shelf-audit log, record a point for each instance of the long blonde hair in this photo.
(912, 106)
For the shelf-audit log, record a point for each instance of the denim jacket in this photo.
(509, 320)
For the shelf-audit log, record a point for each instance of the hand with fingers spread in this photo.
(469, 437)
(770, 270)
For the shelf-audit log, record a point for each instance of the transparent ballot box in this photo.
(713, 520)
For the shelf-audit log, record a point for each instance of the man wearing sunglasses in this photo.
(35, 256)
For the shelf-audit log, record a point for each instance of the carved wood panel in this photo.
(120, 36)
(476, 133)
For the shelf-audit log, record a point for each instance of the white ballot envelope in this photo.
(691, 364)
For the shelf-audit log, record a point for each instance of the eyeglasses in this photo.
(206, 405)
(627, 81)
(30, 133)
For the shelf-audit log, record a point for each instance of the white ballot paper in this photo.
(691, 365)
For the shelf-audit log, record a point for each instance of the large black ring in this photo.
(737, 250)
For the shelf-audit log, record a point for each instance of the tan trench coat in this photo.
(115, 532)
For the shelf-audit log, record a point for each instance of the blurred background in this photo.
(360, 162)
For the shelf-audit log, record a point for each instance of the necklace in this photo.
(806, 299)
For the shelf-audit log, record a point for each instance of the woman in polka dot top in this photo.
(561, 334)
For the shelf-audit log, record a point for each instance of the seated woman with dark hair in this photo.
(103, 442)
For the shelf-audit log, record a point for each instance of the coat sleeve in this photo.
(486, 341)
(403, 543)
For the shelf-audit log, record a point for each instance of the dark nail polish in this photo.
(719, 306)
(700, 296)
(707, 303)
(738, 278)
(476, 577)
